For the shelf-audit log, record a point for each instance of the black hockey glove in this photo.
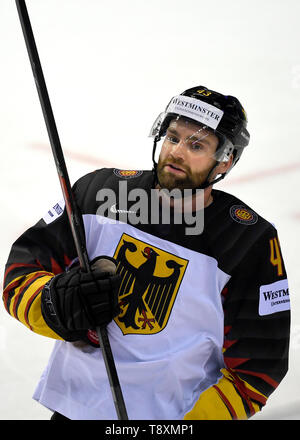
(75, 301)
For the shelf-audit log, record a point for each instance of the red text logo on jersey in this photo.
(150, 281)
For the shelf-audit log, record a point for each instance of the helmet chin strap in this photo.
(207, 182)
(204, 185)
(154, 168)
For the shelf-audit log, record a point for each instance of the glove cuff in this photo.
(49, 313)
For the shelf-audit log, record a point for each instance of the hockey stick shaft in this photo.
(71, 207)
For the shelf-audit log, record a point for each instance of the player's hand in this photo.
(74, 300)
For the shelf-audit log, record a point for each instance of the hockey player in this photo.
(198, 323)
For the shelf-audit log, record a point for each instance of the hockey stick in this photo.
(71, 207)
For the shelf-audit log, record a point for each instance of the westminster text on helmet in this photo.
(196, 109)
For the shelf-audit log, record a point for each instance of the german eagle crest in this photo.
(150, 281)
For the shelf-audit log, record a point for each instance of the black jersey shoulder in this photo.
(235, 211)
(234, 230)
(87, 188)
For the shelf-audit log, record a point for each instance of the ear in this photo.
(223, 166)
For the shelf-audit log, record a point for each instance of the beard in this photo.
(186, 180)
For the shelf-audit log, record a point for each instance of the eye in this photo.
(171, 138)
(196, 146)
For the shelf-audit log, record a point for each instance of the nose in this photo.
(178, 150)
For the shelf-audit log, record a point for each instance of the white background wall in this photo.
(111, 66)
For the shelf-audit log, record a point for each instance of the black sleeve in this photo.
(257, 317)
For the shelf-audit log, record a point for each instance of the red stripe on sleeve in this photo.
(14, 266)
(226, 402)
(262, 376)
(26, 285)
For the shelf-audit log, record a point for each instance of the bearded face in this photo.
(187, 155)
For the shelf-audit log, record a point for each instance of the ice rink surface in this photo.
(111, 67)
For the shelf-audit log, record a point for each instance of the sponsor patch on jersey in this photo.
(274, 298)
(150, 281)
(243, 215)
(54, 212)
(127, 174)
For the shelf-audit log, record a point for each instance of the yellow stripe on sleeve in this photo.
(209, 407)
(226, 399)
(26, 304)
